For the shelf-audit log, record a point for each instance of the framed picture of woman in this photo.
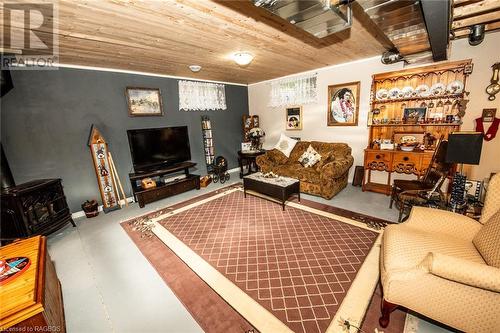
(343, 104)
(294, 118)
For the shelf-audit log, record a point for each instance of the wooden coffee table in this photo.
(280, 188)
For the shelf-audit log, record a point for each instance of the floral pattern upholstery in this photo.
(326, 178)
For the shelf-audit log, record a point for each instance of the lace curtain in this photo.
(294, 91)
(195, 95)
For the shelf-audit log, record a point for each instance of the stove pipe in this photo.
(6, 175)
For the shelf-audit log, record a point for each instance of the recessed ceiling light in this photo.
(195, 68)
(242, 58)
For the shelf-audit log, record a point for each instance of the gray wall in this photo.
(46, 119)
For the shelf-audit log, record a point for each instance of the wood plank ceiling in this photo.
(467, 13)
(164, 37)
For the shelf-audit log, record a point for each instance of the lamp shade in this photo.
(464, 147)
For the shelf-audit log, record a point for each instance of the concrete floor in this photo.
(108, 286)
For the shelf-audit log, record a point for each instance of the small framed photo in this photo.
(144, 102)
(414, 115)
(247, 122)
(246, 146)
(255, 120)
(468, 69)
(489, 115)
(294, 118)
(343, 104)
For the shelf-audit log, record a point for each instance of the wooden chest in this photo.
(33, 301)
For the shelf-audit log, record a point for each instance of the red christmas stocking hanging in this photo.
(492, 131)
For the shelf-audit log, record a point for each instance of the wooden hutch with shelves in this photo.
(440, 89)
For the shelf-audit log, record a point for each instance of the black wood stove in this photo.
(34, 208)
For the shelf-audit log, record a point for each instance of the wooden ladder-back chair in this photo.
(406, 193)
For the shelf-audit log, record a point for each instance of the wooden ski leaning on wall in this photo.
(107, 183)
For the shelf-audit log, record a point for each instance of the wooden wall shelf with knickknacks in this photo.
(429, 100)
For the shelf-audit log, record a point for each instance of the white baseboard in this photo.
(81, 213)
(233, 170)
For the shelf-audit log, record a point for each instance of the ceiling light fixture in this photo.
(195, 68)
(242, 58)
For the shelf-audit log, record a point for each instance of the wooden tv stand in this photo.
(163, 190)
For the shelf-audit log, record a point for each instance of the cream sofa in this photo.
(436, 264)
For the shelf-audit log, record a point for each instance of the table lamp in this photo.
(463, 148)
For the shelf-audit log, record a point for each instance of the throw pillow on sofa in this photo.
(276, 156)
(285, 145)
(309, 158)
(329, 157)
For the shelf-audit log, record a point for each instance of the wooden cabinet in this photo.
(378, 160)
(397, 101)
(393, 161)
(163, 189)
(33, 301)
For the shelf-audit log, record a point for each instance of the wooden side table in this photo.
(32, 301)
(247, 159)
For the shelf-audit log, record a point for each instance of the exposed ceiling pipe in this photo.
(391, 57)
(476, 34)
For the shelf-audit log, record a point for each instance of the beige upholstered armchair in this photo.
(445, 266)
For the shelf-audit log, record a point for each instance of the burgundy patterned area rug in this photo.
(297, 265)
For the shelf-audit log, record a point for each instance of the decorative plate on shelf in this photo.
(382, 94)
(394, 93)
(408, 139)
(438, 89)
(455, 87)
(423, 90)
(407, 91)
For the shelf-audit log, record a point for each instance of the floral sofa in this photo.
(326, 178)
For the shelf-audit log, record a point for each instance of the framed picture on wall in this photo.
(489, 115)
(144, 102)
(293, 118)
(343, 104)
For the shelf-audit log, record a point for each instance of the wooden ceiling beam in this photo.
(458, 3)
(487, 27)
(437, 21)
(479, 19)
(476, 9)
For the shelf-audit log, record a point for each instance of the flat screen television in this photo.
(154, 148)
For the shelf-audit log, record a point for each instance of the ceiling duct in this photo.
(401, 21)
(318, 17)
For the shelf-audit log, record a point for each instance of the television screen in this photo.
(158, 147)
(5, 82)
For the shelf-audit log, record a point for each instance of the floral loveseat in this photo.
(326, 178)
